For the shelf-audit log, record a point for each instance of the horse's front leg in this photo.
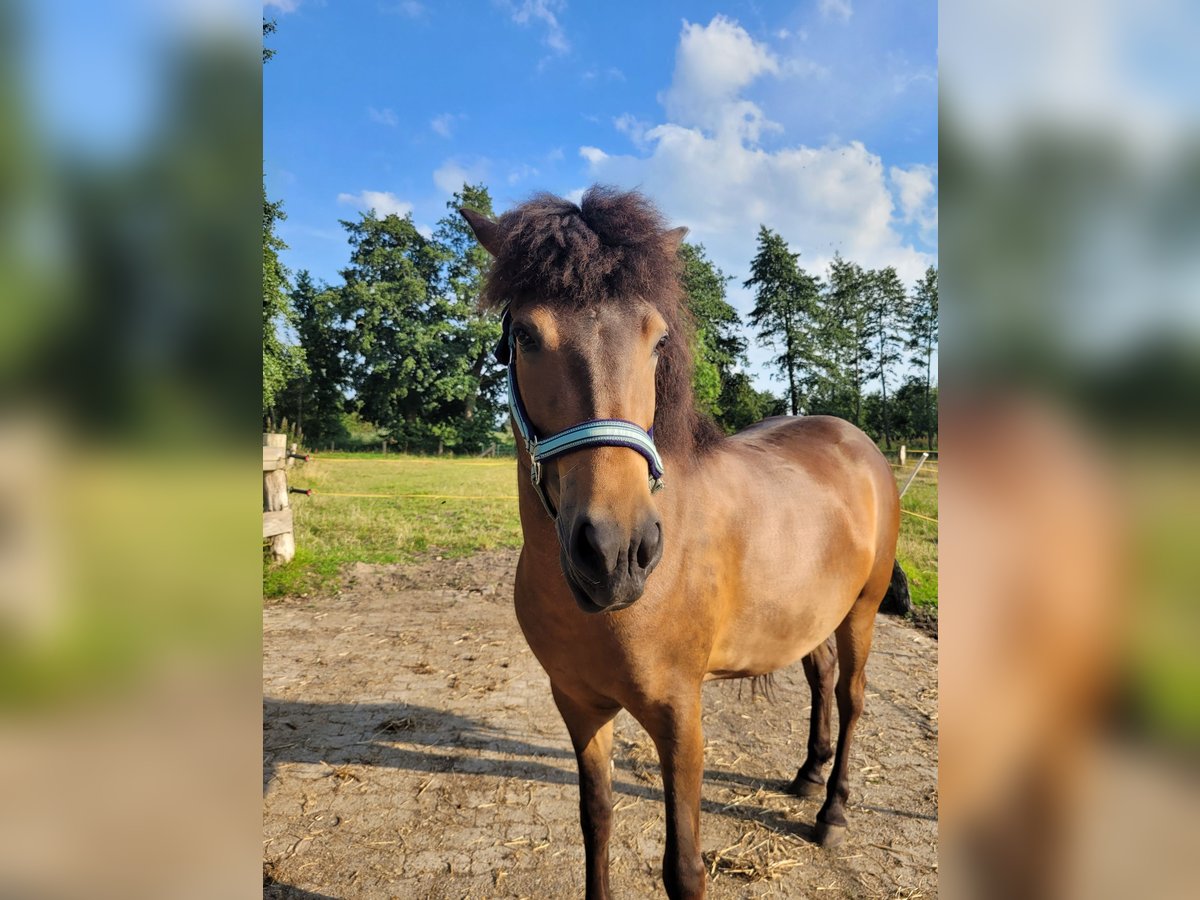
(591, 730)
(679, 739)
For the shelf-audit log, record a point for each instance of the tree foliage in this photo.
(840, 342)
(785, 311)
(315, 401)
(885, 301)
(719, 346)
(401, 343)
(837, 340)
(281, 360)
(922, 327)
(401, 350)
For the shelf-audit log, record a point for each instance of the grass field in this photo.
(418, 506)
(465, 506)
(917, 549)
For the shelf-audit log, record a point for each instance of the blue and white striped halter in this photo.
(592, 433)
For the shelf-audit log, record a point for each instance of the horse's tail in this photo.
(897, 600)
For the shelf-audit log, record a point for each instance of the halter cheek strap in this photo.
(592, 433)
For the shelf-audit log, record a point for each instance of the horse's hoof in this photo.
(802, 787)
(830, 836)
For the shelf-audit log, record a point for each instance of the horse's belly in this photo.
(767, 636)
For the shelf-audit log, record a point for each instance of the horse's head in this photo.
(583, 356)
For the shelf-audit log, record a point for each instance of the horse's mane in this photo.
(609, 248)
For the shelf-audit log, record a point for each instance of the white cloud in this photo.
(284, 6)
(836, 9)
(634, 127)
(411, 8)
(914, 188)
(546, 12)
(443, 125)
(451, 175)
(704, 168)
(383, 116)
(916, 191)
(593, 155)
(385, 203)
(713, 64)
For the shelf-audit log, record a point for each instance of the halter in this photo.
(592, 433)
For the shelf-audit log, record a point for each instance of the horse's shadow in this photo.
(277, 890)
(367, 734)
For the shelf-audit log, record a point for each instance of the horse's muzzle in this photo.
(606, 565)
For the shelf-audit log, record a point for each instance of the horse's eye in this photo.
(662, 343)
(522, 336)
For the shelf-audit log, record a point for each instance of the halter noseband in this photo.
(592, 433)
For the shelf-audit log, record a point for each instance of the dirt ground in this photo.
(411, 749)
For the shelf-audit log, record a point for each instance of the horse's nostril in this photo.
(650, 547)
(592, 551)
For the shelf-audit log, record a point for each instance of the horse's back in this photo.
(810, 436)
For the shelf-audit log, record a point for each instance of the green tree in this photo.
(396, 341)
(719, 345)
(784, 311)
(841, 342)
(906, 410)
(315, 401)
(269, 27)
(885, 301)
(743, 405)
(421, 352)
(922, 327)
(281, 361)
(469, 418)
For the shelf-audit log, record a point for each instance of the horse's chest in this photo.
(596, 656)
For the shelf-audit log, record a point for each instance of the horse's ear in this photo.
(486, 231)
(674, 238)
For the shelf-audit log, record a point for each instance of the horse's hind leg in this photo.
(853, 645)
(820, 668)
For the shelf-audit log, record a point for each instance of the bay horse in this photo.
(762, 549)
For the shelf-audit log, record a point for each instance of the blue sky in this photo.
(818, 119)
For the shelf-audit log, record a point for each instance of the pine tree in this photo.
(922, 327)
(885, 301)
(840, 338)
(784, 311)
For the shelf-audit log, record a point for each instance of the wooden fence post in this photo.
(277, 513)
(902, 449)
